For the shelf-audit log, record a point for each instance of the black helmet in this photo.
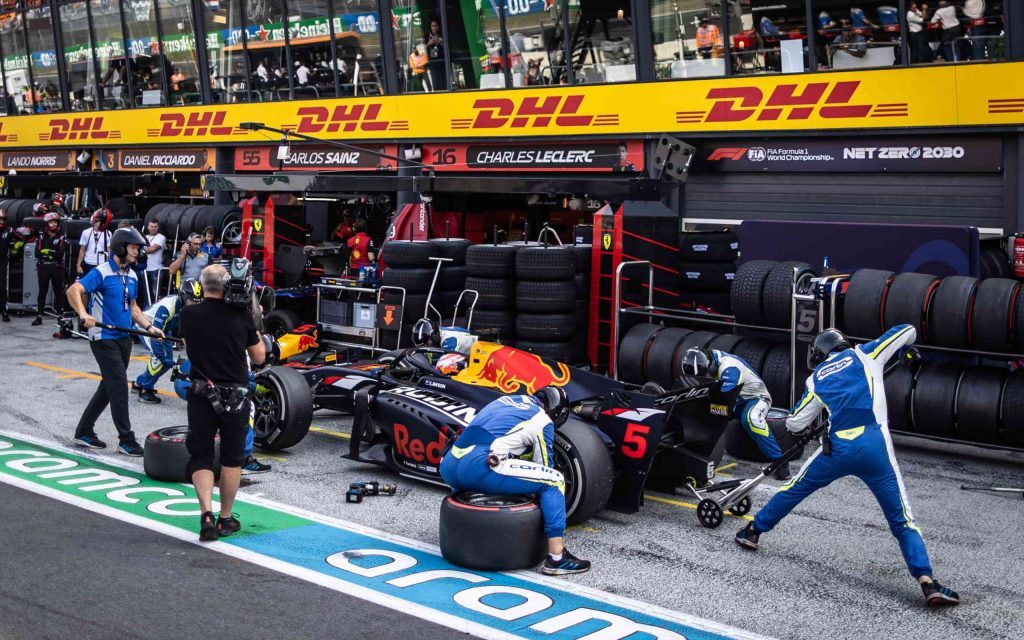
(190, 291)
(554, 402)
(122, 238)
(425, 333)
(828, 341)
(697, 362)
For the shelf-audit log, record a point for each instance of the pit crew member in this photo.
(51, 251)
(6, 239)
(164, 315)
(486, 457)
(847, 382)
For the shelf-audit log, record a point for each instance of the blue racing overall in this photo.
(754, 402)
(509, 427)
(163, 315)
(850, 387)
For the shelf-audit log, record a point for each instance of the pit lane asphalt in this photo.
(831, 569)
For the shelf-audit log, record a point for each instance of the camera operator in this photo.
(217, 338)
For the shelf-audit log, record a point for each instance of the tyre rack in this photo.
(374, 346)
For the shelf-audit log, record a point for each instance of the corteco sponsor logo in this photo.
(346, 118)
(533, 112)
(196, 124)
(829, 100)
(903, 153)
(78, 129)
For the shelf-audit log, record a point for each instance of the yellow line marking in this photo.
(690, 505)
(725, 466)
(263, 455)
(335, 434)
(72, 374)
(580, 527)
(140, 358)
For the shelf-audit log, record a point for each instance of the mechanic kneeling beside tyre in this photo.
(485, 458)
(217, 337)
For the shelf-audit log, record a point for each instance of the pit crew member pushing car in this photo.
(848, 383)
(485, 457)
(754, 400)
(164, 315)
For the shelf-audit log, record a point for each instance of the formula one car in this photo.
(616, 442)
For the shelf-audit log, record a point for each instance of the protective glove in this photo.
(908, 355)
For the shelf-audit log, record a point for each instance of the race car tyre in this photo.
(584, 256)
(282, 408)
(583, 458)
(451, 278)
(993, 314)
(994, 263)
(546, 263)
(933, 406)
(541, 297)
(494, 325)
(170, 225)
(699, 339)
(740, 445)
(453, 248)
(495, 293)
(581, 281)
(725, 342)
(663, 356)
(977, 404)
(949, 323)
(406, 253)
(632, 354)
(709, 246)
(542, 326)
(777, 294)
(864, 302)
(899, 388)
(1012, 410)
(706, 276)
(491, 533)
(187, 220)
(776, 375)
(413, 280)
(909, 301)
(754, 351)
(746, 291)
(165, 457)
(491, 260)
(230, 228)
(74, 229)
(561, 351)
(156, 212)
(581, 311)
(280, 321)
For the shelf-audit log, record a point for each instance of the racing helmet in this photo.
(554, 403)
(827, 342)
(190, 291)
(53, 216)
(697, 362)
(122, 238)
(103, 216)
(426, 333)
(58, 198)
(451, 363)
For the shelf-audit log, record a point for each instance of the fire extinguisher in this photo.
(1018, 255)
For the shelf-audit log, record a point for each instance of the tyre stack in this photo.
(546, 300)
(452, 279)
(490, 271)
(581, 312)
(707, 269)
(762, 292)
(408, 266)
(177, 221)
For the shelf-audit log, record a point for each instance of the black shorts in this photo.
(203, 424)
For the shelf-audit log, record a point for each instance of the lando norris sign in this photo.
(948, 154)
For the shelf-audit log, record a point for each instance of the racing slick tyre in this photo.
(156, 212)
(725, 342)
(1012, 410)
(280, 321)
(776, 374)
(494, 325)
(542, 326)
(583, 458)
(491, 260)
(452, 248)
(754, 351)
(165, 456)
(706, 276)
(933, 406)
(560, 351)
(699, 339)
(949, 324)
(451, 279)
(581, 281)
(491, 533)
(170, 225)
(546, 263)
(864, 302)
(740, 445)
(899, 388)
(282, 408)
(977, 404)
(777, 294)
(909, 301)
(663, 356)
(746, 291)
(495, 293)
(413, 280)
(993, 314)
(994, 263)
(187, 220)
(407, 253)
(709, 246)
(633, 349)
(545, 297)
(583, 254)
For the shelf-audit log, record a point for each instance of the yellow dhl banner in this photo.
(967, 95)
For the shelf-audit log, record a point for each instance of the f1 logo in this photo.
(728, 153)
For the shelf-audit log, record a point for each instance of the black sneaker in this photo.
(136, 388)
(130, 449)
(783, 473)
(567, 565)
(149, 396)
(936, 595)
(208, 527)
(747, 537)
(38, 321)
(252, 465)
(227, 526)
(90, 441)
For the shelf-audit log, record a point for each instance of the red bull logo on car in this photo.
(511, 370)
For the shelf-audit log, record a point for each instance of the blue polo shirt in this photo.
(108, 286)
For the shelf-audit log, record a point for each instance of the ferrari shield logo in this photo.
(606, 241)
(257, 225)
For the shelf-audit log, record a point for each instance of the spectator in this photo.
(859, 20)
(533, 76)
(418, 67)
(951, 32)
(210, 246)
(155, 259)
(974, 10)
(190, 261)
(850, 41)
(177, 77)
(302, 72)
(435, 52)
(920, 51)
(709, 39)
(825, 21)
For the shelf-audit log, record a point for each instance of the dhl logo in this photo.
(195, 124)
(90, 128)
(7, 137)
(829, 100)
(533, 112)
(348, 118)
(1006, 105)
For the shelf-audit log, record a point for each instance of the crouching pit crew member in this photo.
(217, 339)
(485, 457)
(164, 315)
(754, 400)
(115, 285)
(847, 382)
